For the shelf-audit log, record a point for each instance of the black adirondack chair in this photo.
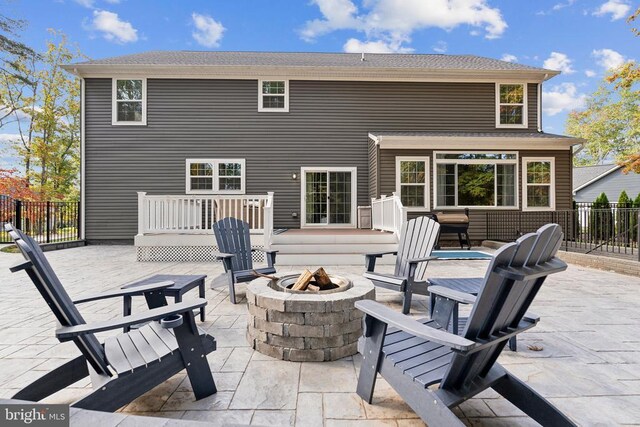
(413, 355)
(126, 365)
(234, 243)
(417, 239)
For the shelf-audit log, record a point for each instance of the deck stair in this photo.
(331, 246)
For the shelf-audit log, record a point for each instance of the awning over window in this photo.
(474, 140)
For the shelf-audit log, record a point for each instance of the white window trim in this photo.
(114, 102)
(286, 96)
(426, 185)
(215, 177)
(525, 104)
(552, 185)
(515, 162)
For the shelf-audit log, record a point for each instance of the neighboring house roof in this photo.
(319, 64)
(460, 140)
(587, 175)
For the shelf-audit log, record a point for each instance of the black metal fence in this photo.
(46, 222)
(611, 231)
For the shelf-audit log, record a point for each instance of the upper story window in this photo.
(129, 102)
(486, 180)
(273, 95)
(511, 105)
(215, 176)
(412, 182)
(538, 184)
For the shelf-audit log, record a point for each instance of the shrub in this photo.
(601, 218)
(624, 217)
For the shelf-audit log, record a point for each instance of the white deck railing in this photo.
(388, 214)
(186, 214)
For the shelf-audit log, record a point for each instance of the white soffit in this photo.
(472, 142)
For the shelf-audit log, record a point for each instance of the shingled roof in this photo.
(307, 59)
(306, 64)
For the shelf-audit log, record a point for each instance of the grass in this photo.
(13, 249)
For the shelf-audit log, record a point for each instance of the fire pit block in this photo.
(305, 327)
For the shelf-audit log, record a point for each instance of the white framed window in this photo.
(412, 182)
(273, 95)
(129, 97)
(475, 180)
(511, 105)
(215, 176)
(538, 183)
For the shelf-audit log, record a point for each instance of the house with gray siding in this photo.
(173, 140)
(591, 181)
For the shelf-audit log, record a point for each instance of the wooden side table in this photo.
(182, 284)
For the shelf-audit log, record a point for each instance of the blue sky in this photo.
(580, 37)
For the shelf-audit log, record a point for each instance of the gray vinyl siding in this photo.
(477, 217)
(612, 185)
(327, 125)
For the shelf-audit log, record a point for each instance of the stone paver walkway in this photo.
(589, 364)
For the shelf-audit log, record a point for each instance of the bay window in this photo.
(538, 189)
(483, 180)
(412, 182)
(511, 105)
(215, 176)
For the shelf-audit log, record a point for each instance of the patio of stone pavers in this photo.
(589, 365)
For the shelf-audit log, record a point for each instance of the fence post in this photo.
(638, 235)
(78, 220)
(141, 211)
(18, 217)
(48, 221)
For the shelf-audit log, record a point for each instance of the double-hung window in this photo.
(129, 101)
(538, 189)
(482, 180)
(273, 95)
(511, 105)
(215, 176)
(412, 182)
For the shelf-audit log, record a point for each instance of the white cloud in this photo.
(440, 47)
(560, 62)
(378, 46)
(7, 138)
(390, 22)
(85, 3)
(618, 9)
(113, 28)
(509, 57)
(208, 31)
(589, 73)
(559, 6)
(608, 58)
(113, 1)
(563, 97)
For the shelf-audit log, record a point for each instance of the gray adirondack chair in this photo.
(465, 285)
(234, 243)
(126, 365)
(412, 355)
(417, 239)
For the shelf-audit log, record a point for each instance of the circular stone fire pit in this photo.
(304, 326)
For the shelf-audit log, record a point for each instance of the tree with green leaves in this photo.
(624, 216)
(610, 124)
(46, 107)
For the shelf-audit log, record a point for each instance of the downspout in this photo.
(83, 209)
(540, 106)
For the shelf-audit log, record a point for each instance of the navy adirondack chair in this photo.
(413, 355)
(126, 365)
(417, 239)
(234, 243)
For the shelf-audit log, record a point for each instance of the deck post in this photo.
(141, 212)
